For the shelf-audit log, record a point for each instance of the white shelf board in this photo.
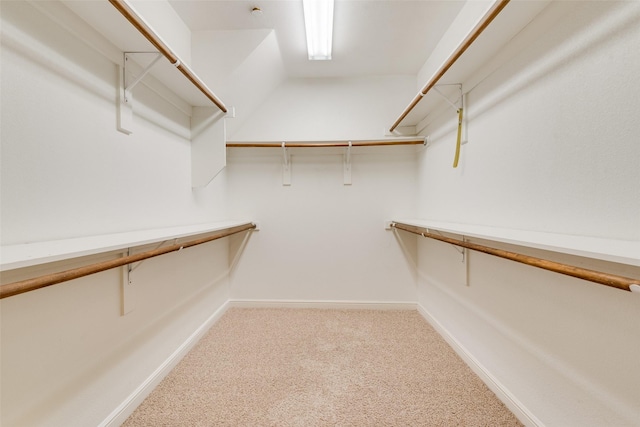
(620, 251)
(30, 254)
(109, 27)
(503, 29)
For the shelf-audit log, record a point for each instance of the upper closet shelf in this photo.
(620, 251)
(30, 254)
(491, 33)
(115, 24)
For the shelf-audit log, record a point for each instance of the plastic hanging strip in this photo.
(457, 156)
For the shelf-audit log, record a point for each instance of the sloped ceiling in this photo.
(246, 57)
(251, 70)
(371, 37)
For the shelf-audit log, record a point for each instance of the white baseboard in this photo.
(326, 304)
(510, 401)
(126, 408)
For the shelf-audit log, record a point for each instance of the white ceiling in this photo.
(371, 37)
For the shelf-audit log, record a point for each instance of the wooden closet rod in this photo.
(612, 280)
(301, 144)
(468, 41)
(15, 288)
(135, 20)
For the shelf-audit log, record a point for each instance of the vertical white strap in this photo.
(286, 166)
(127, 290)
(347, 165)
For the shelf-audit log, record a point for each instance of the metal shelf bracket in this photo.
(128, 289)
(346, 163)
(129, 86)
(286, 165)
(452, 104)
(127, 294)
(125, 95)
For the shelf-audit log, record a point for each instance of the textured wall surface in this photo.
(68, 356)
(552, 129)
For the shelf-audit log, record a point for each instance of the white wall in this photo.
(321, 240)
(68, 356)
(61, 152)
(553, 147)
(328, 109)
(559, 121)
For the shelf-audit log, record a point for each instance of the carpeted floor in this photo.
(312, 367)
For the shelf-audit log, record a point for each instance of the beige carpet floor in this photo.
(313, 367)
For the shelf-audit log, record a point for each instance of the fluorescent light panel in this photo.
(318, 22)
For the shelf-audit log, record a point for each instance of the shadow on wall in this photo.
(168, 311)
(578, 28)
(29, 34)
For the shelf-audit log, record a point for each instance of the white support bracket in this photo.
(129, 86)
(464, 252)
(459, 104)
(124, 109)
(286, 165)
(458, 249)
(127, 301)
(465, 260)
(125, 94)
(346, 163)
(452, 104)
(128, 288)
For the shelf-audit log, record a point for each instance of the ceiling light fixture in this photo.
(318, 22)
